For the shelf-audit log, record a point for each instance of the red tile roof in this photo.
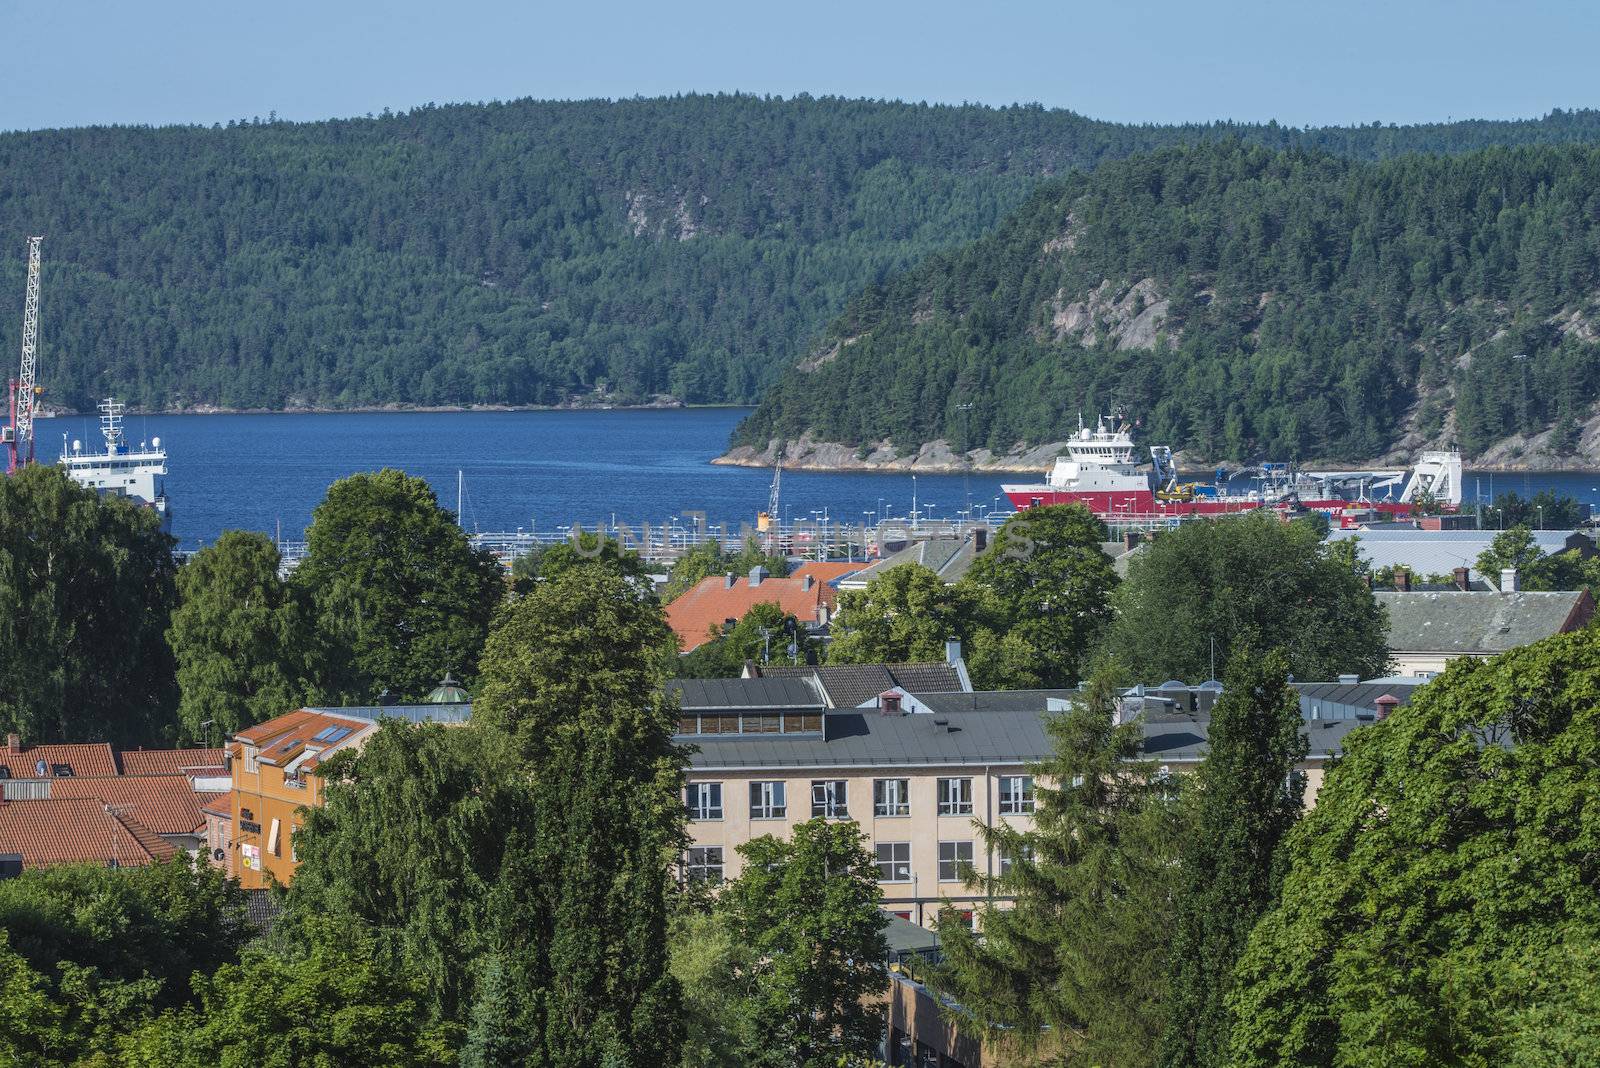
(167, 804)
(826, 570)
(85, 758)
(76, 830)
(217, 805)
(711, 601)
(170, 761)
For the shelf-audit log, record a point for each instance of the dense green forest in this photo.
(1241, 302)
(528, 252)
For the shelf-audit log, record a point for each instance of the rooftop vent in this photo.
(727, 581)
(1349, 680)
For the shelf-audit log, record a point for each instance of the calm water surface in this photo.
(536, 469)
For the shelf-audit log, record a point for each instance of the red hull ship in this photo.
(1101, 472)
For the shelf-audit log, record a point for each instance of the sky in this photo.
(83, 62)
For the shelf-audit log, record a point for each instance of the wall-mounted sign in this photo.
(249, 827)
(252, 856)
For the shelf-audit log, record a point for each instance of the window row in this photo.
(751, 723)
(830, 798)
(703, 864)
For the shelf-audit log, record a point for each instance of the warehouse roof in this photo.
(718, 694)
(868, 739)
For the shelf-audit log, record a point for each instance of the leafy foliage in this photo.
(86, 586)
(1444, 881)
(1545, 510)
(1051, 582)
(809, 962)
(724, 656)
(1248, 580)
(1244, 303)
(87, 951)
(240, 636)
(1077, 968)
(904, 615)
(1247, 796)
(333, 999)
(1514, 548)
(399, 596)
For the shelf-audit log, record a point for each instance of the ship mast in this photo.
(24, 393)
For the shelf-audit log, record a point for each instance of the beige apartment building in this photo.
(916, 772)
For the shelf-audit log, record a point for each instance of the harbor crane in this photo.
(18, 436)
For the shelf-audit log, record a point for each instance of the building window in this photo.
(705, 800)
(891, 797)
(955, 797)
(894, 862)
(1016, 795)
(1008, 860)
(768, 801)
(272, 839)
(953, 856)
(704, 864)
(828, 799)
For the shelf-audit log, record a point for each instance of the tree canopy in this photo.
(241, 637)
(1196, 594)
(1440, 904)
(86, 587)
(398, 594)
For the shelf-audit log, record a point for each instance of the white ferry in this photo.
(121, 470)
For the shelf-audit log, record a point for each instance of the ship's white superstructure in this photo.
(138, 473)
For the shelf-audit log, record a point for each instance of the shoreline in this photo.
(404, 409)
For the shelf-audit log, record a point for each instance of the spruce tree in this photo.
(493, 1038)
(1245, 798)
(1077, 968)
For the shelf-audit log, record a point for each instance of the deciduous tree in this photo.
(240, 636)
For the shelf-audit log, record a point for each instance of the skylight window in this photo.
(330, 734)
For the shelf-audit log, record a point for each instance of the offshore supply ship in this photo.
(1102, 472)
(136, 473)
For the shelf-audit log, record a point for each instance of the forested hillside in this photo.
(1242, 303)
(528, 252)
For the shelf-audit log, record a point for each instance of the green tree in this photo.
(1545, 510)
(1514, 548)
(494, 1039)
(1077, 968)
(1247, 796)
(1201, 591)
(86, 587)
(418, 842)
(712, 967)
(333, 999)
(240, 637)
(589, 547)
(1444, 882)
(806, 912)
(87, 951)
(398, 595)
(904, 615)
(724, 656)
(572, 685)
(1051, 583)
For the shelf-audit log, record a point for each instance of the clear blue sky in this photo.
(76, 62)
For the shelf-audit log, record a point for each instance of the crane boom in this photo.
(27, 395)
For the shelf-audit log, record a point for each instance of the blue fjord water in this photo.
(536, 469)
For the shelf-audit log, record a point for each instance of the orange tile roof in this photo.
(167, 804)
(217, 805)
(265, 731)
(281, 739)
(169, 761)
(76, 830)
(826, 570)
(711, 601)
(85, 758)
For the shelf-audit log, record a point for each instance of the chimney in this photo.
(1402, 579)
(807, 581)
(1385, 705)
(952, 651)
(14, 742)
(889, 704)
(941, 724)
(1129, 540)
(1462, 577)
(1508, 580)
(980, 539)
(727, 581)
(758, 573)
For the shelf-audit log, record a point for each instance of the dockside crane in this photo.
(18, 437)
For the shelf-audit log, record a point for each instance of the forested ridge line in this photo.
(1241, 303)
(530, 252)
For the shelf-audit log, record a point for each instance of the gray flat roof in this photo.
(792, 691)
(868, 739)
(994, 700)
(1453, 621)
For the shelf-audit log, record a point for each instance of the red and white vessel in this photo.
(1102, 472)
